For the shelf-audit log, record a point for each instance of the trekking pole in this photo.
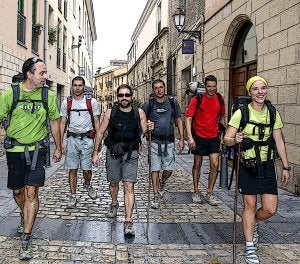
(235, 202)
(149, 182)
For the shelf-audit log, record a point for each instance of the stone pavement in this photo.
(179, 232)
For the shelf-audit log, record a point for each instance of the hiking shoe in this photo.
(250, 255)
(72, 201)
(162, 185)
(255, 234)
(21, 225)
(211, 199)
(128, 228)
(155, 202)
(91, 191)
(197, 197)
(113, 210)
(25, 250)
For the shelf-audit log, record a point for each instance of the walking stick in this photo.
(235, 203)
(149, 182)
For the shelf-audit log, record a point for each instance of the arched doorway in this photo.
(243, 61)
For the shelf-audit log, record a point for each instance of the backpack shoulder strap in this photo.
(88, 101)
(199, 100)
(150, 106)
(45, 90)
(112, 117)
(16, 94)
(245, 115)
(272, 112)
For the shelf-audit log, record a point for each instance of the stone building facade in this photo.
(241, 39)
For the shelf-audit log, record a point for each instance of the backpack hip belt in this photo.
(89, 134)
(11, 142)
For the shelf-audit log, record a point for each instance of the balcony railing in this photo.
(21, 29)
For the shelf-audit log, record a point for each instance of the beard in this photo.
(125, 103)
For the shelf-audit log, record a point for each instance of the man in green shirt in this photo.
(27, 142)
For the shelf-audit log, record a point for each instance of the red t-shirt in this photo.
(205, 122)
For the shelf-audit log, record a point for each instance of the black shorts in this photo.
(250, 183)
(19, 173)
(206, 146)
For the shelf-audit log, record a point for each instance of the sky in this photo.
(115, 23)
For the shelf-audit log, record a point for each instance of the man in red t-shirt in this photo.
(204, 140)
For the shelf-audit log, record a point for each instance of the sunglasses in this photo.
(33, 61)
(124, 94)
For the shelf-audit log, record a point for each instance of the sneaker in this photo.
(211, 199)
(128, 228)
(21, 225)
(250, 255)
(155, 202)
(197, 197)
(162, 185)
(255, 234)
(72, 201)
(25, 250)
(113, 210)
(91, 191)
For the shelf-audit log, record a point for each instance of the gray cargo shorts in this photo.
(121, 169)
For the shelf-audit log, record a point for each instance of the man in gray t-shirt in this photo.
(81, 117)
(164, 111)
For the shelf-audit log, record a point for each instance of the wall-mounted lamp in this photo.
(79, 42)
(179, 21)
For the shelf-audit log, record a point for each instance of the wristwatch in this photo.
(286, 168)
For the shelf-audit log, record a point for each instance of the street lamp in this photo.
(179, 21)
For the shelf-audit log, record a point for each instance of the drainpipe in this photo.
(46, 24)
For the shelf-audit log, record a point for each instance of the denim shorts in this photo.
(19, 173)
(121, 169)
(79, 153)
(164, 158)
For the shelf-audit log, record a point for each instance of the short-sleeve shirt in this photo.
(205, 120)
(163, 116)
(28, 120)
(262, 117)
(80, 121)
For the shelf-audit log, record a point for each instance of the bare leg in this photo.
(19, 198)
(166, 175)
(196, 171)
(31, 207)
(87, 175)
(248, 216)
(214, 164)
(129, 200)
(155, 179)
(268, 208)
(73, 181)
(114, 190)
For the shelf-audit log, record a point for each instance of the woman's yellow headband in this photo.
(253, 80)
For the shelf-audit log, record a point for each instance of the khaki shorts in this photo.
(121, 169)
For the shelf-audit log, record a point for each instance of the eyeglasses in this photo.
(125, 94)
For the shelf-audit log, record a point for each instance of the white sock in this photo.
(249, 244)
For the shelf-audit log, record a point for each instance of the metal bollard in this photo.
(224, 169)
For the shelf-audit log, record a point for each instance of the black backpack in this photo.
(199, 101)
(16, 99)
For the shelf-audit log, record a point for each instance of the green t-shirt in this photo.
(257, 117)
(28, 120)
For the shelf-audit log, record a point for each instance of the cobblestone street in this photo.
(179, 232)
